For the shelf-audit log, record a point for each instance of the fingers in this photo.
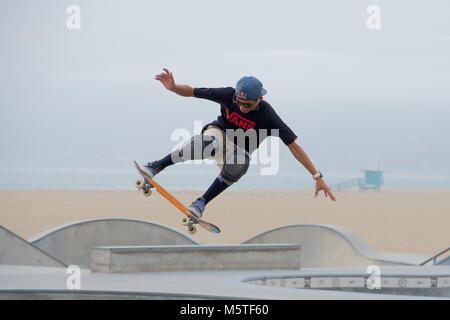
(328, 193)
(167, 74)
(162, 76)
(332, 197)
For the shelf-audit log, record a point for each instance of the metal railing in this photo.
(434, 258)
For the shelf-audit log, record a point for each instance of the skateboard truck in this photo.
(145, 187)
(189, 223)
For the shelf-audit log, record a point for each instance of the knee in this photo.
(235, 167)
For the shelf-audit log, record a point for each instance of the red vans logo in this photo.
(240, 121)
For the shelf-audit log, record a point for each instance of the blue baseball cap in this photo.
(249, 88)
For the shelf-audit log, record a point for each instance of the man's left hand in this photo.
(320, 185)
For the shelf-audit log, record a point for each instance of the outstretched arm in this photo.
(303, 158)
(166, 78)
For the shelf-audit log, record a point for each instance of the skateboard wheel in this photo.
(147, 192)
(185, 221)
(139, 184)
(192, 230)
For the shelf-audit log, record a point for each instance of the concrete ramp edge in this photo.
(72, 243)
(331, 246)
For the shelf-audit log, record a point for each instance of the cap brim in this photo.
(263, 91)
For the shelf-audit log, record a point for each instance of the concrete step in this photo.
(112, 259)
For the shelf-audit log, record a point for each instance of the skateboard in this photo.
(189, 220)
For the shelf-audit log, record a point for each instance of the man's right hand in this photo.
(166, 79)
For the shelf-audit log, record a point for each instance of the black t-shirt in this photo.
(261, 121)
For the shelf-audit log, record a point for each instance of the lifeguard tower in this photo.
(373, 180)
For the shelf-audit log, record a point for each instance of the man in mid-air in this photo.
(243, 111)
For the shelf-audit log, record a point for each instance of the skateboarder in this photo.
(242, 108)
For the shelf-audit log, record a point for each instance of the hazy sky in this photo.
(355, 97)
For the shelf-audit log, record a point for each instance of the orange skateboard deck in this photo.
(190, 220)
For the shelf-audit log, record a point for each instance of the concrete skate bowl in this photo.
(72, 243)
(324, 246)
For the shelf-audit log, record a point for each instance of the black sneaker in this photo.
(152, 168)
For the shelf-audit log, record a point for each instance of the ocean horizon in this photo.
(191, 178)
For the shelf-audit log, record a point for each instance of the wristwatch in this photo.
(318, 175)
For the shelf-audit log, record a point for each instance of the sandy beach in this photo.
(405, 221)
